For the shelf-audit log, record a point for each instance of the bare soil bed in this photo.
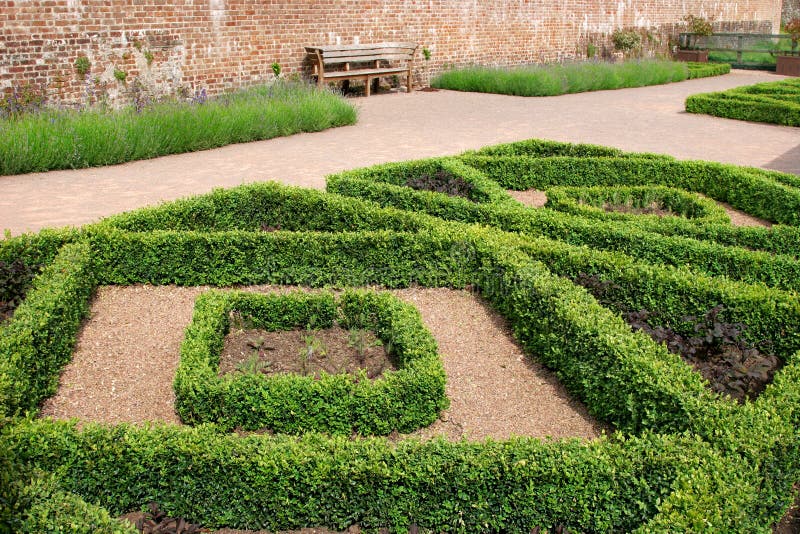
(128, 351)
(653, 209)
(304, 352)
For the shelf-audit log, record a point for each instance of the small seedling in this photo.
(359, 340)
(253, 365)
(276, 69)
(426, 53)
(313, 346)
(148, 56)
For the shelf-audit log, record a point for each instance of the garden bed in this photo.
(773, 102)
(685, 458)
(45, 139)
(551, 80)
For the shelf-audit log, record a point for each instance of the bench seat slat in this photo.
(363, 72)
(333, 48)
(364, 59)
(360, 53)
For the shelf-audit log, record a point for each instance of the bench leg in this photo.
(410, 84)
(367, 83)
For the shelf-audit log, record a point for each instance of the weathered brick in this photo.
(219, 44)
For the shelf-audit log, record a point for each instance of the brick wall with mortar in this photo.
(185, 45)
(791, 10)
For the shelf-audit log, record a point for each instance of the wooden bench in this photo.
(372, 61)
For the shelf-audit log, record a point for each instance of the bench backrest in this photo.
(333, 54)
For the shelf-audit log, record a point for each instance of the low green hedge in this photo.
(780, 271)
(47, 508)
(751, 192)
(705, 70)
(403, 400)
(688, 460)
(280, 483)
(39, 339)
(773, 102)
(436, 257)
(590, 202)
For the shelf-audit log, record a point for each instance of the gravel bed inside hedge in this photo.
(128, 351)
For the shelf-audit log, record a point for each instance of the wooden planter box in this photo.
(787, 65)
(699, 56)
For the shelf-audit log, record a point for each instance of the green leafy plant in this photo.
(276, 69)
(698, 27)
(149, 57)
(26, 101)
(426, 53)
(591, 50)
(120, 75)
(254, 363)
(626, 40)
(82, 66)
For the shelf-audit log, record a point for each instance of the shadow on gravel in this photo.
(788, 162)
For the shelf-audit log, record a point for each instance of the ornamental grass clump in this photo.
(559, 79)
(68, 139)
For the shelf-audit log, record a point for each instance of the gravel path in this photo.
(400, 126)
(128, 351)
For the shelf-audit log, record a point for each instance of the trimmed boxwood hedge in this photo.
(782, 271)
(773, 102)
(705, 70)
(590, 202)
(402, 400)
(685, 459)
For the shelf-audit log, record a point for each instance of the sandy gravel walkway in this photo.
(396, 127)
(128, 351)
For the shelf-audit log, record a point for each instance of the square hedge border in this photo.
(403, 400)
(589, 201)
(711, 466)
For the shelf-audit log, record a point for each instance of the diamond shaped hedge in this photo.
(401, 400)
(684, 459)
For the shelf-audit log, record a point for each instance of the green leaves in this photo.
(404, 400)
(688, 460)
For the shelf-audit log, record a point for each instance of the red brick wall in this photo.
(791, 10)
(219, 44)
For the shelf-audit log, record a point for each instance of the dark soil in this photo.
(714, 347)
(442, 182)
(653, 209)
(156, 521)
(790, 523)
(304, 352)
(15, 279)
